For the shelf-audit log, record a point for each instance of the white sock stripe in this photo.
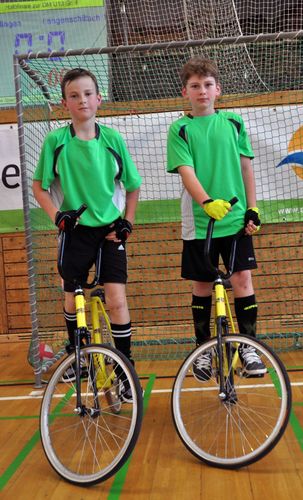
(116, 335)
(121, 330)
(70, 316)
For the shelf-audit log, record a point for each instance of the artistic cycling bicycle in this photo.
(86, 432)
(231, 419)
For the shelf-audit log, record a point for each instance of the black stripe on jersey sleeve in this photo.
(182, 133)
(236, 124)
(118, 160)
(56, 154)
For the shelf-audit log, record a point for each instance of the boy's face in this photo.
(202, 91)
(81, 98)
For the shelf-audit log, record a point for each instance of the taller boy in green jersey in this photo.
(88, 163)
(211, 151)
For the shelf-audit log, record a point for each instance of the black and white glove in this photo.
(123, 229)
(66, 220)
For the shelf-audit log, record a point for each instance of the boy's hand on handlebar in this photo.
(66, 220)
(216, 209)
(123, 229)
(252, 220)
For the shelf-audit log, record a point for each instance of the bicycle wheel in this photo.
(242, 428)
(89, 444)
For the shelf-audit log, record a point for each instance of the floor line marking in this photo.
(154, 391)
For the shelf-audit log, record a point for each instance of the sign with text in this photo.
(46, 26)
(10, 174)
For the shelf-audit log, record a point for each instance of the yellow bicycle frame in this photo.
(219, 300)
(80, 309)
(97, 309)
(222, 309)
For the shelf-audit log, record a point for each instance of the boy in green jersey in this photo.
(88, 163)
(211, 151)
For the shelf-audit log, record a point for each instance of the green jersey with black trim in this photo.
(93, 172)
(212, 146)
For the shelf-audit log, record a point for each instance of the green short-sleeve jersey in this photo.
(91, 172)
(212, 146)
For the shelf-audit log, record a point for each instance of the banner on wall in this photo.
(277, 140)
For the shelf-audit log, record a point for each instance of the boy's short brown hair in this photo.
(75, 73)
(198, 66)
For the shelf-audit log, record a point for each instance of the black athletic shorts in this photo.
(80, 255)
(193, 265)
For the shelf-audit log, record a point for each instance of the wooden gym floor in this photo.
(160, 467)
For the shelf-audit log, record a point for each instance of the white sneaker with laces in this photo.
(251, 361)
(70, 374)
(202, 367)
(125, 392)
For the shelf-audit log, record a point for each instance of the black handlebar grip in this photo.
(233, 201)
(81, 210)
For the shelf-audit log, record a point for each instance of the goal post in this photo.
(141, 96)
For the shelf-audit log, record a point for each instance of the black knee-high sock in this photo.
(201, 310)
(71, 325)
(246, 310)
(122, 338)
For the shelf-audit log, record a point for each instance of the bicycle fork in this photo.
(82, 331)
(225, 369)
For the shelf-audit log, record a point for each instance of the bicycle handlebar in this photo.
(80, 210)
(61, 248)
(210, 267)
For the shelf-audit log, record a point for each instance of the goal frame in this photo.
(126, 108)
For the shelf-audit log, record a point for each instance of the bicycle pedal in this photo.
(243, 374)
